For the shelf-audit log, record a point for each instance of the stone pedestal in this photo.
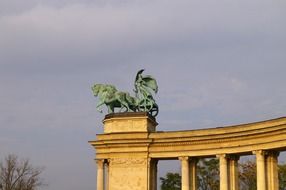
(129, 165)
(129, 122)
(128, 174)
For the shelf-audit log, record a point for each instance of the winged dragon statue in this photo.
(143, 101)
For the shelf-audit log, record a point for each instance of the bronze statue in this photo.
(145, 87)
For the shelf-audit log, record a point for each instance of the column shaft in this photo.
(193, 173)
(100, 175)
(154, 174)
(223, 172)
(185, 173)
(272, 170)
(260, 165)
(106, 176)
(233, 172)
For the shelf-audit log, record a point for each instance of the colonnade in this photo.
(228, 167)
(266, 162)
(130, 147)
(267, 171)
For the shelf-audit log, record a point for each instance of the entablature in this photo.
(238, 139)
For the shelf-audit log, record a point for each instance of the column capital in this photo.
(154, 160)
(272, 153)
(193, 159)
(184, 158)
(222, 156)
(100, 163)
(233, 157)
(259, 152)
(107, 161)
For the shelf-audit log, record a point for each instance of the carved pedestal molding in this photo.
(100, 174)
(272, 170)
(223, 171)
(260, 165)
(185, 170)
(129, 122)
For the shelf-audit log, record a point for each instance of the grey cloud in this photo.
(80, 32)
(16, 7)
(216, 63)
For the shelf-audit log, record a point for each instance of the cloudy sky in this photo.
(217, 63)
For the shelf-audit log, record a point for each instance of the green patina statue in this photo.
(145, 87)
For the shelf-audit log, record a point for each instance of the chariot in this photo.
(143, 101)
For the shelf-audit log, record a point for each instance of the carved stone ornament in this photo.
(128, 161)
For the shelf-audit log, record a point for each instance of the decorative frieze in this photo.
(128, 162)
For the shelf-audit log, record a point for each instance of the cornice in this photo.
(238, 139)
(241, 128)
(219, 139)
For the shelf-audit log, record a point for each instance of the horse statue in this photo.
(112, 98)
(145, 87)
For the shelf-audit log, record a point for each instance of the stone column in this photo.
(185, 170)
(260, 165)
(153, 174)
(100, 174)
(223, 171)
(272, 170)
(106, 175)
(233, 172)
(193, 173)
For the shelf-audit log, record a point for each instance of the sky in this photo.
(217, 63)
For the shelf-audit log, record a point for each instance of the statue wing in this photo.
(139, 73)
(150, 82)
(147, 82)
